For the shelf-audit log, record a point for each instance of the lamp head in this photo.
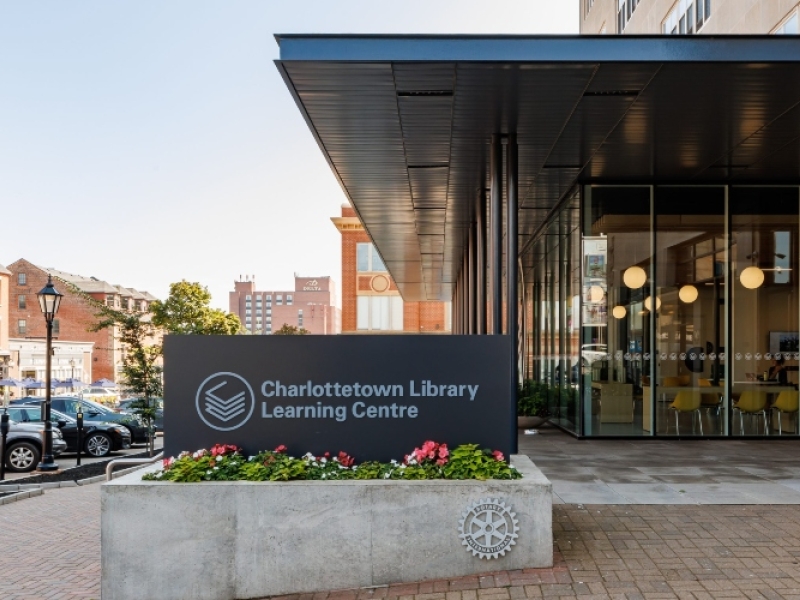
(49, 300)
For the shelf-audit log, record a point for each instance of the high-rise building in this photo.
(371, 302)
(311, 305)
(706, 17)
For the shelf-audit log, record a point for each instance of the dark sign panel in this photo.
(375, 397)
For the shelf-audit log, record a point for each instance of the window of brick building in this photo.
(21, 303)
(22, 279)
(379, 313)
(289, 299)
(278, 299)
(368, 259)
(22, 327)
(110, 300)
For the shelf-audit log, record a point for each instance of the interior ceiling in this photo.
(409, 141)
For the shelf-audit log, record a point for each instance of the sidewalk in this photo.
(666, 471)
(51, 543)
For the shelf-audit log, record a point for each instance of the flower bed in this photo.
(432, 460)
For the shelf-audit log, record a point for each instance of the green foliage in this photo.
(469, 461)
(225, 463)
(532, 399)
(287, 329)
(187, 310)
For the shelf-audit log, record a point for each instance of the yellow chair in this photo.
(671, 382)
(687, 401)
(753, 403)
(787, 402)
(684, 380)
(709, 400)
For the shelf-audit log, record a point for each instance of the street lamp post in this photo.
(49, 301)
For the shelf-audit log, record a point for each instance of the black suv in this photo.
(94, 412)
(99, 438)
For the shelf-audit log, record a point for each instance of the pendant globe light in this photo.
(634, 277)
(596, 293)
(648, 303)
(752, 277)
(619, 312)
(688, 294)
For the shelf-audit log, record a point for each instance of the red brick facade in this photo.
(75, 317)
(418, 317)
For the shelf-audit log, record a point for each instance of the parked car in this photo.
(92, 411)
(129, 405)
(24, 445)
(99, 438)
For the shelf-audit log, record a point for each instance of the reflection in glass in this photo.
(689, 323)
(764, 263)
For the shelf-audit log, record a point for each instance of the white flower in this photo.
(216, 468)
(208, 472)
(393, 461)
(323, 460)
(251, 458)
(402, 466)
(308, 456)
(386, 476)
(219, 458)
(323, 475)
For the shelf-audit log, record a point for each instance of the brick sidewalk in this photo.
(51, 550)
(51, 546)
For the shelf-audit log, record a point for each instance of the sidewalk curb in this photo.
(21, 492)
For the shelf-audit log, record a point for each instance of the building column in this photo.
(512, 262)
(471, 276)
(496, 234)
(480, 280)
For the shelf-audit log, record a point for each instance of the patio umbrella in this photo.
(11, 382)
(40, 385)
(104, 383)
(71, 382)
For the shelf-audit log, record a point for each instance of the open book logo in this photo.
(225, 401)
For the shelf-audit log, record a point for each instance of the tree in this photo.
(287, 329)
(141, 361)
(187, 310)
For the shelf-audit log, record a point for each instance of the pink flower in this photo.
(443, 451)
(280, 449)
(498, 455)
(167, 462)
(441, 462)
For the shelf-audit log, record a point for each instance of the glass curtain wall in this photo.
(764, 319)
(553, 284)
(689, 310)
(667, 311)
(615, 327)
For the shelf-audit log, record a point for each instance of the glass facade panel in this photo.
(615, 328)
(765, 303)
(688, 312)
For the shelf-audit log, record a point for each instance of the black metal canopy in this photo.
(405, 124)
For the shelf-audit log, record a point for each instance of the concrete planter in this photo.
(530, 422)
(237, 540)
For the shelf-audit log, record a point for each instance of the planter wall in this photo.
(237, 540)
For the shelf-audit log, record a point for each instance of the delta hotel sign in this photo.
(375, 397)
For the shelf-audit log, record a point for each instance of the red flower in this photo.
(498, 455)
(280, 449)
(345, 459)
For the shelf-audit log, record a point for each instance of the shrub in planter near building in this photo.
(532, 410)
(432, 460)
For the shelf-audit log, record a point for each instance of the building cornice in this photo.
(344, 224)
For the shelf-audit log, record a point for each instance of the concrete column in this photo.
(496, 235)
(512, 250)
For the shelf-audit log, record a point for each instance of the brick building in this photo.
(5, 278)
(310, 305)
(75, 316)
(371, 302)
(706, 17)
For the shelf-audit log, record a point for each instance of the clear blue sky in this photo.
(149, 141)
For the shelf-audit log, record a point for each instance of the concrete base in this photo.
(237, 540)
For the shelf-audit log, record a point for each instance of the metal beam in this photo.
(480, 288)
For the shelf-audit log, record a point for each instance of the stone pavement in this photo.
(664, 471)
(50, 544)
